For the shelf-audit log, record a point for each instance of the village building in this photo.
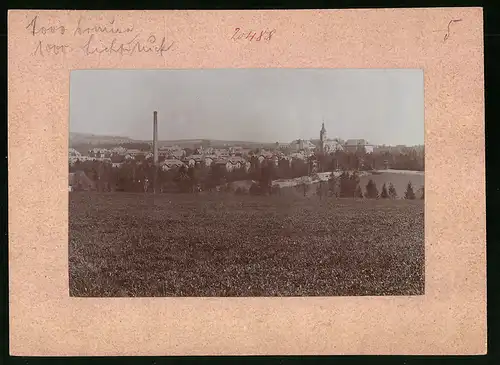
(244, 152)
(80, 181)
(221, 152)
(174, 154)
(275, 159)
(170, 164)
(74, 153)
(326, 145)
(330, 146)
(282, 146)
(117, 158)
(81, 158)
(237, 162)
(302, 145)
(322, 138)
(235, 149)
(118, 150)
(176, 151)
(223, 163)
(209, 160)
(134, 152)
(193, 160)
(99, 152)
(298, 155)
(208, 151)
(352, 145)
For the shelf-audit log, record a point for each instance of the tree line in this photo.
(134, 172)
(134, 176)
(143, 176)
(409, 159)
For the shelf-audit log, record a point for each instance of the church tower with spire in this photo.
(322, 138)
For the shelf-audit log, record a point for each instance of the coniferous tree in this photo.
(345, 183)
(321, 189)
(358, 193)
(409, 193)
(384, 194)
(332, 184)
(183, 180)
(353, 183)
(392, 192)
(371, 190)
(305, 188)
(266, 176)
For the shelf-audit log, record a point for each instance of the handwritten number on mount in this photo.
(448, 29)
(50, 48)
(44, 30)
(447, 35)
(252, 35)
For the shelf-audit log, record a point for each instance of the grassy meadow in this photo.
(132, 244)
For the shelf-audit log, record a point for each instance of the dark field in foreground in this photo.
(124, 244)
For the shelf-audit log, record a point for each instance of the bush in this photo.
(322, 189)
(254, 189)
(392, 192)
(359, 192)
(409, 193)
(304, 187)
(384, 194)
(348, 184)
(371, 190)
(228, 188)
(240, 191)
(332, 184)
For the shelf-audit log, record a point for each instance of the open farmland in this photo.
(126, 244)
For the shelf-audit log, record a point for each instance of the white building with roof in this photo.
(352, 145)
(171, 164)
(331, 145)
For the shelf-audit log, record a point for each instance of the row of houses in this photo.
(299, 145)
(234, 157)
(230, 161)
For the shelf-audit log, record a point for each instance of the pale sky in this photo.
(261, 105)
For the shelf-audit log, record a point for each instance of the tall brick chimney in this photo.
(155, 137)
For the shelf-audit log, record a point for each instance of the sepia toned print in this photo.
(256, 182)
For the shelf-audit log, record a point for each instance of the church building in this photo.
(327, 145)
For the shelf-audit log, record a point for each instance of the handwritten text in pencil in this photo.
(127, 40)
(253, 36)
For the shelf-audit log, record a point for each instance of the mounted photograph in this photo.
(246, 183)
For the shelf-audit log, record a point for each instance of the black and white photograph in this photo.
(246, 183)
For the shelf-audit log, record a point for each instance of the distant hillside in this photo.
(79, 139)
(86, 138)
(212, 143)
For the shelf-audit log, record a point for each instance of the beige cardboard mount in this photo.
(447, 43)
